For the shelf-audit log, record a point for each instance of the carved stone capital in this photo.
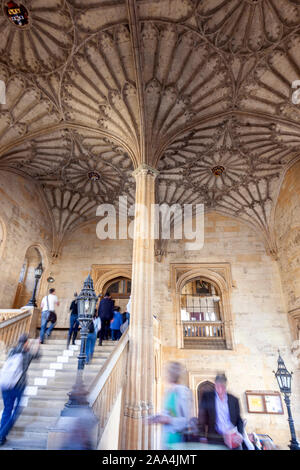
(146, 170)
(138, 410)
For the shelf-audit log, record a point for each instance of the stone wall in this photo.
(259, 313)
(260, 323)
(81, 250)
(25, 223)
(287, 230)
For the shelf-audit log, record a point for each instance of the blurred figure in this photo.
(78, 422)
(264, 442)
(79, 434)
(247, 444)
(128, 308)
(13, 381)
(74, 323)
(219, 416)
(48, 305)
(255, 441)
(268, 444)
(106, 314)
(116, 324)
(94, 327)
(125, 324)
(177, 408)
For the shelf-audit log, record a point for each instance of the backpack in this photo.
(91, 327)
(124, 326)
(11, 371)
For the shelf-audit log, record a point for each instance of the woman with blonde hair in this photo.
(177, 408)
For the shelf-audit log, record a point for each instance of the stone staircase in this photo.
(49, 380)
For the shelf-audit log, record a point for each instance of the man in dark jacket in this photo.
(106, 313)
(219, 413)
(74, 323)
(29, 349)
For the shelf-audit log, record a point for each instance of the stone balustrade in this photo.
(15, 322)
(203, 330)
(109, 382)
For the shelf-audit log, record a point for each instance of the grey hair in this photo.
(221, 378)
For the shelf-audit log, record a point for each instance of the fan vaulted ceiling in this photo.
(95, 88)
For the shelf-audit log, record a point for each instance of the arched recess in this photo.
(120, 291)
(34, 255)
(105, 275)
(217, 274)
(203, 387)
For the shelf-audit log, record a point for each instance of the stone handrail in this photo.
(12, 324)
(110, 380)
(198, 330)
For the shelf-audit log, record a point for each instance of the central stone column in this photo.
(138, 405)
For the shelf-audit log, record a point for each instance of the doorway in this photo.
(120, 291)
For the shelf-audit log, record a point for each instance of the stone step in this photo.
(58, 342)
(43, 411)
(34, 422)
(46, 393)
(47, 357)
(20, 432)
(59, 383)
(38, 371)
(66, 366)
(30, 432)
(40, 402)
(23, 444)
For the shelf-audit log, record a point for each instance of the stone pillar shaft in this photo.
(139, 391)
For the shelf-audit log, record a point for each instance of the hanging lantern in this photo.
(86, 301)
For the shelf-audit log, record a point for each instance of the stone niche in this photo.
(217, 273)
(25, 225)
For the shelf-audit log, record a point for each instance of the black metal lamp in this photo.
(86, 302)
(284, 379)
(37, 276)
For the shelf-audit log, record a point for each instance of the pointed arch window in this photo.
(201, 315)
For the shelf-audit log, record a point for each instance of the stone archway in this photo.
(33, 257)
(105, 275)
(203, 387)
(120, 291)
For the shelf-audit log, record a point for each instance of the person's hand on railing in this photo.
(159, 419)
